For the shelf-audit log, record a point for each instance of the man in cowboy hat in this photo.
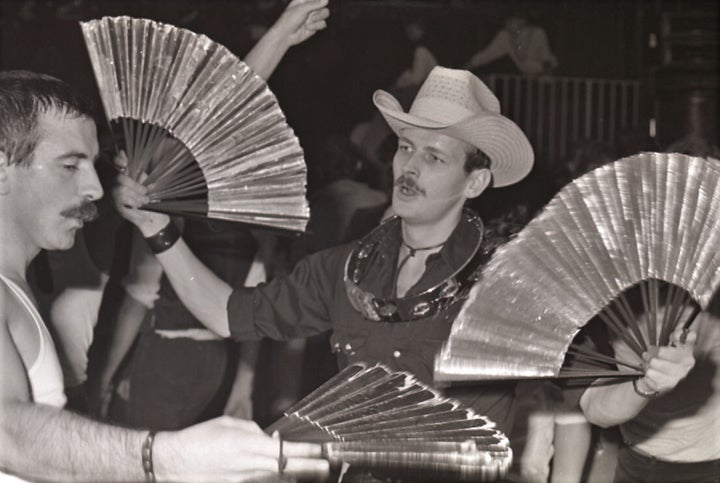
(392, 296)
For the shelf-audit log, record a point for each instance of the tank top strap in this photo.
(45, 373)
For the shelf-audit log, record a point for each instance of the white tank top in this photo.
(45, 374)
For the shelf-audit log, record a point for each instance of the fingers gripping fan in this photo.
(392, 425)
(200, 129)
(633, 247)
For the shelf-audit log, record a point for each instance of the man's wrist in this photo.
(642, 389)
(164, 239)
(152, 225)
(162, 457)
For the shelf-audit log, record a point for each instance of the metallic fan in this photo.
(634, 244)
(393, 425)
(200, 129)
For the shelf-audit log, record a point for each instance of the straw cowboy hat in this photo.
(458, 104)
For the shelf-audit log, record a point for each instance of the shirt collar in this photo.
(463, 242)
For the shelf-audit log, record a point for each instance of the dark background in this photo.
(325, 85)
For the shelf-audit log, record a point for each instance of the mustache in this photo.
(408, 182)
(86, 211)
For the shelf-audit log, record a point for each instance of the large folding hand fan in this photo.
(635, 243)
(391, 424)
(200, 129)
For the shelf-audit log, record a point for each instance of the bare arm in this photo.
(239, 403)
(423, 63)
(496, 49)
(609, 405)
(141, 287)
(41, 442)
(300, 20)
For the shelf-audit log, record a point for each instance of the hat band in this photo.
(442, 111)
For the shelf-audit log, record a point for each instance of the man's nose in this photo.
(91, 187)
(412, 164)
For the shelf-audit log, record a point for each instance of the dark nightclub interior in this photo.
(623, 76)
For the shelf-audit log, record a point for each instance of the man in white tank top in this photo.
(48, 147)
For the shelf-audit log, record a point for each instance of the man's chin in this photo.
(66, 242)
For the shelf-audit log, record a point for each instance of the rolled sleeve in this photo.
(240, 315)
(297, 305)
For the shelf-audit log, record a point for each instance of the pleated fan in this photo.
(393, 425)
(633, 246)
(200, 129)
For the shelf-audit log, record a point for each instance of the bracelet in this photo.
(282, 459)
(164, 239)
(147, 458)
(645, 394)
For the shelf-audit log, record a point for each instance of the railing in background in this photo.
(557, 112)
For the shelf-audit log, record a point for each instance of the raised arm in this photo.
(498, 47)
(613, 404)
(300, 20)
(203, 293)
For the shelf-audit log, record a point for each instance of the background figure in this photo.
(586, 156)
(342, 183)
(77, 293)
(240, 401)
(178, 373)
(422, 62)
(694, 145)
(418, 61)
(552, 436)
(526, 45)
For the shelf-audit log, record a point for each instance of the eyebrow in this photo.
(431, 149)
(405, 140)
(77, 155)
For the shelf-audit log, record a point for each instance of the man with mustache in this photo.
(392, 296)
(48, 183)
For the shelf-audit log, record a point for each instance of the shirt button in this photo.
(396, 354)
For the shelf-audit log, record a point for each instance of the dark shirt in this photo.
(313, 299)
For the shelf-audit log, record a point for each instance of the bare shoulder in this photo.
(14, 321)
(18, 326)
(12, 312)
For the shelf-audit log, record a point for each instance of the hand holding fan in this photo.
(647, 224)
(205, 130)
(390, 423)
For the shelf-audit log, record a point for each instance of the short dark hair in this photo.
(24, 96)
(476, 159)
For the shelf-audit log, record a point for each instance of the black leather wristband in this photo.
(164, 239)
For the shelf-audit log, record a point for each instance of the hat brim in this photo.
(510, 152)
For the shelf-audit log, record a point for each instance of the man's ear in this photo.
(479, 181)
(4, 175)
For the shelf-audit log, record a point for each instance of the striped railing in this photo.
(557, 112)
